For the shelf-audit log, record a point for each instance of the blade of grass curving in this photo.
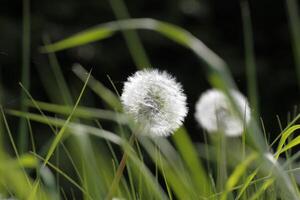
(287, 127)
(60, 134)
(23, 131)
(250, 58)
(294, 23)
(252, 182)
(284, 137)
(278, 174)
(288, 146)
(133, 41)
(79, 39)
(238, 172)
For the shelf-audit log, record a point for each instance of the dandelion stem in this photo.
(120, 170)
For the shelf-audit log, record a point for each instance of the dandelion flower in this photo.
(215, 113)
(156, 101)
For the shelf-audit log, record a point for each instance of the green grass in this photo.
(82, 160)
(23, 131)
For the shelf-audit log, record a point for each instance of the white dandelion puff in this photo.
(215, 113)
(156, 101)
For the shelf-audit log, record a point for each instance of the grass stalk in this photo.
(23, 130)
(294, 23)
(250, 58)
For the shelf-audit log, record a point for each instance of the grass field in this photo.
(98, 154)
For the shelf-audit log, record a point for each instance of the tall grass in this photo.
(25, 79)
(85, 157)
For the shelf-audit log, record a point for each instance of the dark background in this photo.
(217, 23)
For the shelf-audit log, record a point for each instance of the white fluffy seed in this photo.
(215, 113)
(156, 101)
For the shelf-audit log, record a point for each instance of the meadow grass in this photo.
(82, 159)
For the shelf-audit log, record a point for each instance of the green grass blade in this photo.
(250, 58)
(23, 131)
(262, 189)
(287, 127)
(61, 82)
(79, 39)
(10, 134)
(33, 193)
(189, 155)
(62, 173)
(284, 137)
(101, 133)
(60, 134)
(83, 112)
(294, 23)
(165, 180)
(175, 175)
(247, 183)
(104, 93)
(290, 145)
(238, 172)
(133, 41)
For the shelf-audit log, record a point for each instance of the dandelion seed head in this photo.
(156, 101)
(215, 113)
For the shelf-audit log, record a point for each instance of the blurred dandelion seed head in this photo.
(271, 158)
(156, 101)
(117, 198)
(215, 113)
